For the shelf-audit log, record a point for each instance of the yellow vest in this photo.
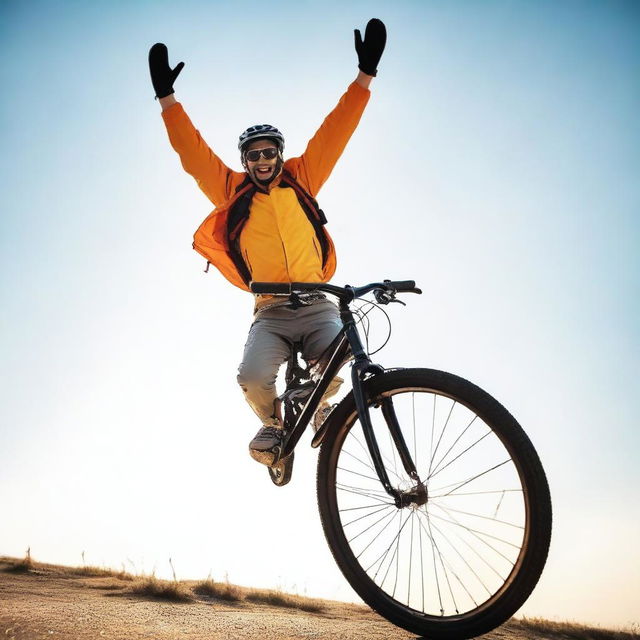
(278, 243)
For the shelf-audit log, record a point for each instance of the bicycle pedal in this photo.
(280, 473)
(270, 457)
(277, 455)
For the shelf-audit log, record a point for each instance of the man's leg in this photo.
(266, 349)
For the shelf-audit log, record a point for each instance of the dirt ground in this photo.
(49, 603)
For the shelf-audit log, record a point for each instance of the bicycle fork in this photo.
(361, 367)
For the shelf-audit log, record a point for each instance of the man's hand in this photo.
(370, 49)
(162, 75)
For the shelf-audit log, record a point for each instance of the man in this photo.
(267, 227)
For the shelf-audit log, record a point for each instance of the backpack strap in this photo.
(237, 218)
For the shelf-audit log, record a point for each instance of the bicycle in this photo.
(433, 500)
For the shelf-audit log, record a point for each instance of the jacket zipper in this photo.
(286, 262)
(246, 258)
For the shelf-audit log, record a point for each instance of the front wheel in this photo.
(468, 544)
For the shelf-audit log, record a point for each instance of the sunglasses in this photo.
(268, 154)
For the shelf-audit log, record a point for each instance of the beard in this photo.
(265, 182)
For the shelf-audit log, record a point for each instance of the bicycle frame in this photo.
(453, 599)
(362, 367)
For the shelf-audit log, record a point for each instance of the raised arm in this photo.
(216, 180)
(325, 148)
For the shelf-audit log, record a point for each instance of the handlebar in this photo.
(347, 293)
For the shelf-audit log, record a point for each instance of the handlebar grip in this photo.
(403, 285)
(270, 287)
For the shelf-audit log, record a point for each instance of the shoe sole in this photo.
(264, 457)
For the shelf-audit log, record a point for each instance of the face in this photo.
(262, 170)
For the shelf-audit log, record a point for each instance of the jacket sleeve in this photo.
(216, 180)
(325, 148)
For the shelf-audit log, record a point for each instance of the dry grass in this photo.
(171, 590)
(270, 597)
(573, 631)
(221, 590)
(21, 566)
(277, 598)
(98, 572)
(28, 564)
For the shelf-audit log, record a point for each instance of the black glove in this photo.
(370, 50)
(162, 75)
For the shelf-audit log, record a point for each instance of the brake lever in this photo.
(385, 297)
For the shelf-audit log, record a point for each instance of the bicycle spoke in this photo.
(368, 490)
(370, 526)
(433, 428)
(444, 428)
(368, 506)
(397, 555)
(478, 533)
(435, 470)
(461, 454)
(495, 513)
(410, 565)
(370, 543)
(421, 563)
(366, 450)
(386, 552)
(446, 575)
(471, 446)
(478, 475)
(364, 464)
(476, 515)
(365, 491)
(473, 493)
(482, 558)
(394, 541)
(366, 515)
(444, 570)
(355, 473)
(474, 551)
(453, 572)
(434, 548)
(362, 493)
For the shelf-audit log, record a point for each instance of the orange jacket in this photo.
(277, 243)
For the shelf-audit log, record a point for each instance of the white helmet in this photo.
(261, 131)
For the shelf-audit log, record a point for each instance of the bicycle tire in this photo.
(535, 497)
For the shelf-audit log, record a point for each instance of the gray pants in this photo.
(268, 346)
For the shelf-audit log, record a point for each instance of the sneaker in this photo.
(266, 444)
(321, 414)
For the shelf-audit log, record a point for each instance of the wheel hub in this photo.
(417, 496)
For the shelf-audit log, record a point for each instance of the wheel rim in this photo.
(455, 554)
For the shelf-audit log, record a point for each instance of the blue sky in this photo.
(496, 164)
